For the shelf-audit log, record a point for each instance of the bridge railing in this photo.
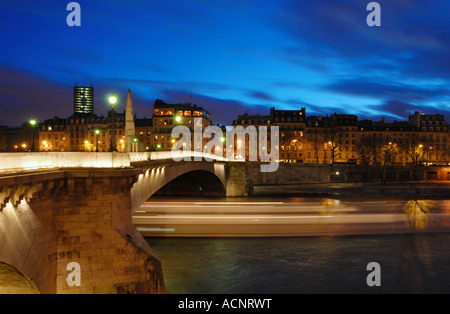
(148, 156)
(23, 162)
(38, 161)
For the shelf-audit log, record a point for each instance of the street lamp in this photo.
(97, 133)
(113, 101)
(32, 123)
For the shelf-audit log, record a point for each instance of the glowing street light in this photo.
(113, 100)
(32, 123)
(178, 119)
(97, 133)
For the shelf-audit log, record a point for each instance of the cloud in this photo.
(398, 109)
(222, 111)
(261, 96)
(389, 90)
(24, 96)
(413, 37)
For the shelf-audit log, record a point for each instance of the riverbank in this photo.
(431, 190)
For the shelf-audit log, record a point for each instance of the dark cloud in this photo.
(24, 96)
(223, 111)
(389, 90)
(413, 37)
(261, 96)
(397, 109)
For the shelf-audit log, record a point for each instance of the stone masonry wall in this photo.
(84, 217)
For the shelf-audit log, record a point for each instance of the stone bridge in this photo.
(65, 219)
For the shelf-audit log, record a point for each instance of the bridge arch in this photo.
(13, 281)
(156, 177)
(197, 183)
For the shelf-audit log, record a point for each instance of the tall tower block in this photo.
(130, 134)
(83, 100)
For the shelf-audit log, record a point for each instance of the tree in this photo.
(333, 139)
(367, 148)
(388, 156)
(315, 140)
(414, 149)
(292, 140)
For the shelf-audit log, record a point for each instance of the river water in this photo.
(410, 263)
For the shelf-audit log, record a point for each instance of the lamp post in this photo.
(32, 123)
(135, 143)
(113, 101)
(97, 133)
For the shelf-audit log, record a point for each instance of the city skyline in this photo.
(231, 58)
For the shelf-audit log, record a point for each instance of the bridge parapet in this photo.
(166, 155)
(28, 162)
(39, 161)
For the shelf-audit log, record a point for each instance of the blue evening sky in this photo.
(228, 56)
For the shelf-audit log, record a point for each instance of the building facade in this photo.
(341, 138)
(168, 116)
(83, 100)
(337, 138)
(92, 133)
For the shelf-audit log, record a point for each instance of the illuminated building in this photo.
(331, 139)
(291, 125)
(83, 100)
(168, 116)
(340, 138)
(144, 133)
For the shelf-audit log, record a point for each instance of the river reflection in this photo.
(412, 261)
(418, 213)
(289, 217)
(409, 264)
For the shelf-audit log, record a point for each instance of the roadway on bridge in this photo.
(290, 217)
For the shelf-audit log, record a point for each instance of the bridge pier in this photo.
(237, 180)
(53, 219)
